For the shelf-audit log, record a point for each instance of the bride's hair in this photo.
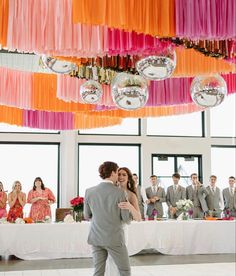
(131, 184)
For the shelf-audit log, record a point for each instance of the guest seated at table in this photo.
(197, 193)
(3, 202)
(214, 198)
(156, 195)
(16, 200)
(41, 199)
(174, 193)
(229, 196)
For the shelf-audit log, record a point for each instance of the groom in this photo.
(106, 232)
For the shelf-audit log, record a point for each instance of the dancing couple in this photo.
(111, 205)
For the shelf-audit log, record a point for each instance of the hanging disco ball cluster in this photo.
(208, 91)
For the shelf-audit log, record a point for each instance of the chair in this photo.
(61, 213)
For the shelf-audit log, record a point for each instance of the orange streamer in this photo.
(44, 96)
(4, 5)
(155, 17)
(11, 115)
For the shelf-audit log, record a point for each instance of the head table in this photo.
(69, 240)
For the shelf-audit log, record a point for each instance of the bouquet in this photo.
(184, 205)
(77, 205)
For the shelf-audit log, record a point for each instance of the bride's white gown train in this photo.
(111, 268)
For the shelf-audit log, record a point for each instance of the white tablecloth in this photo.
(60, 240)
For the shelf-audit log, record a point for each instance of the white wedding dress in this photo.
(111, 268)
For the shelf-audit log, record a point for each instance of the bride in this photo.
(125, 182)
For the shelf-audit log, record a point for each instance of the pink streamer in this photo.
(48, 120)
(45, 26)
(205, 19)
(15, 88)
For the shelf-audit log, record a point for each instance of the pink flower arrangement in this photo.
(77, 203)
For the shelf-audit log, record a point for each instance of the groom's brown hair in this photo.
(106, 169)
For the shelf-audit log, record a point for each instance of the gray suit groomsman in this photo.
(155, 196)
(106, 232)
(229, 196)
(197, 193)
(214, 198)
(174, 194)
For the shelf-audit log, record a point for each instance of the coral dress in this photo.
(40, 209)
(3, 211)
(15, 212)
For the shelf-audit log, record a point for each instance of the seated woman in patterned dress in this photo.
(16, 200)
(3, 202)
(40, 199)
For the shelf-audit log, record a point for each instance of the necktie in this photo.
(232, 191)
(154, 189)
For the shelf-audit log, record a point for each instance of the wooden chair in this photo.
(62, 212)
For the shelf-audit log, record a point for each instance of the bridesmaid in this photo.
(16, 200)
(41, 199)
(3, 202)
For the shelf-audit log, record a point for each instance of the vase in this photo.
(78, 216)
(185, 216)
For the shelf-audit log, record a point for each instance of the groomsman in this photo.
(229, 196)
(197, 193)
(140, 195)
(175, 192)
(156, 195)
(214, 198)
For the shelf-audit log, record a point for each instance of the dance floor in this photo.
(209, 269)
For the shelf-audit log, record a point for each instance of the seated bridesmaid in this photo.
(3, 202)
(16, 200)
(41, 198)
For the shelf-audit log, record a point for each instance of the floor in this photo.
(142, 265)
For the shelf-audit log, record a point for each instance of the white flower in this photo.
(69, 219)
(19, 221)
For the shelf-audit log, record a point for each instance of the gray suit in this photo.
(199, 200)
(140, 201)
(229, 201)
(106, 232)
(213, 201)
(158, 204)
(173, 196)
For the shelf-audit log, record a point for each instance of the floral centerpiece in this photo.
(77, 205)
(184, 206)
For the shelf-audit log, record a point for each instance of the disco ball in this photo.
(58, 66)
(157, 67)
(91, 92)
(208, 91)
(129, 92)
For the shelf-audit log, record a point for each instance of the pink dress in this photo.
(15, 212)
(40, 209)
(3, 211)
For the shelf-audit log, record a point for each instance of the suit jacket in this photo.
(229, 200)
(101, 205)
(201, 194)
(158, 204)
(172, 197)
(213, 199)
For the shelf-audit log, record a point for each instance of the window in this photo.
(24, 162)
(92, 156)
(220, 156)
(128, 127)
(10, 128)
(165, 165)
(178, 125)
(223, 118)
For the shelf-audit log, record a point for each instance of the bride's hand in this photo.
(125, 205)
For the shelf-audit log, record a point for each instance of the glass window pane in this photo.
(179, 125)
(128, 127)
(163, 168)
(12, 128)
(187, 166)
(219, 158)
(24, 162)
(221, 114)
(92, 156)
